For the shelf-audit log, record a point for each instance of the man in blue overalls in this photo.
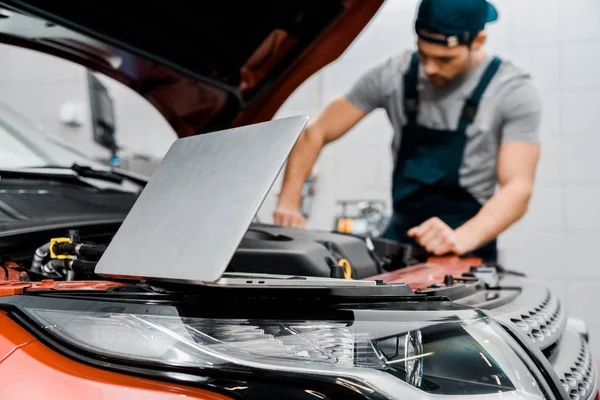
(465, 134)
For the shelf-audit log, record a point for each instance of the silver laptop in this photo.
(192, 215)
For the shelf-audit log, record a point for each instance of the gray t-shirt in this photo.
(509, 111)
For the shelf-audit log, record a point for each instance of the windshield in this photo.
(24, 145)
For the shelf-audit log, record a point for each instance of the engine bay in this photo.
(264, 249)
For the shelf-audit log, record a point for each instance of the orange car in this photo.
(115, 286)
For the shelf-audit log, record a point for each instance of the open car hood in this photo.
(204, 65)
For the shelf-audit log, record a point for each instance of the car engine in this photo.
(264, 249)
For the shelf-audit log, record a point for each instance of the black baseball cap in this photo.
(458, 20)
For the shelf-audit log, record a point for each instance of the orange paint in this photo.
(333, 42)
(55, 377)
(74, 285)
(424, 275)
(11, 288)
(12, 336)
(14, 271)
(14, 286)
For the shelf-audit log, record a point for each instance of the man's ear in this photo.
(479, 41)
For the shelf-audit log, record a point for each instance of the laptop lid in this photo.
(190, 218)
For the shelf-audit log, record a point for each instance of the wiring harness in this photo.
(66, 258)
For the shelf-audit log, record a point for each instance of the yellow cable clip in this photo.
(347, 268)
(54, 241)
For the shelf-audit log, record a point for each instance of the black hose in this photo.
(64, 248)
(85, 250)
(91, 251)
(82, 267)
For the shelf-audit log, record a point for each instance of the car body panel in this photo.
(12, 272)
(418, 277)
(331, 45)
(195, 94)
(58, 377)
(13, 337)
(430, 273)
(14, 287)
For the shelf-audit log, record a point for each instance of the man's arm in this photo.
(516, 174)
(517, 163)
(337, 119)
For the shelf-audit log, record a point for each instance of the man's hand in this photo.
(438, 238)
(337, 119)
(289, 217)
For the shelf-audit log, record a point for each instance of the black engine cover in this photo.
(288, 251)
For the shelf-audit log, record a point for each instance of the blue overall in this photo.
(426, 175)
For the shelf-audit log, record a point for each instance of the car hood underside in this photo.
(204, 65)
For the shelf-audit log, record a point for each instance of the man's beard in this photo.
(441, 81)
(438, 80)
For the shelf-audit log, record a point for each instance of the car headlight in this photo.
(401, 354)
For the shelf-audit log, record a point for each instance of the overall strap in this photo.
(472, 105)
(411, 95)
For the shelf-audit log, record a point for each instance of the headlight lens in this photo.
(442, 355)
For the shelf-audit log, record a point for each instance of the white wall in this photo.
(37, 85)
(558, 41)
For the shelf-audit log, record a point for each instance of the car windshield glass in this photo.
(24, 145)
(15, 154)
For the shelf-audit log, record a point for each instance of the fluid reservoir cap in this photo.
(448, 280)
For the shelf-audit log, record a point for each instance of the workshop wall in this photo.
(558, 41)
(39, 85)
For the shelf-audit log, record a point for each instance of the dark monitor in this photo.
(103, 118)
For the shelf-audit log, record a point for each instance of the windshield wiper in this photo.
(23, 174)
(131, 177)
(89, 172)
(81, 171)
(112, 175)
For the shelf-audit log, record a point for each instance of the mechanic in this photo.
(464, 123)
